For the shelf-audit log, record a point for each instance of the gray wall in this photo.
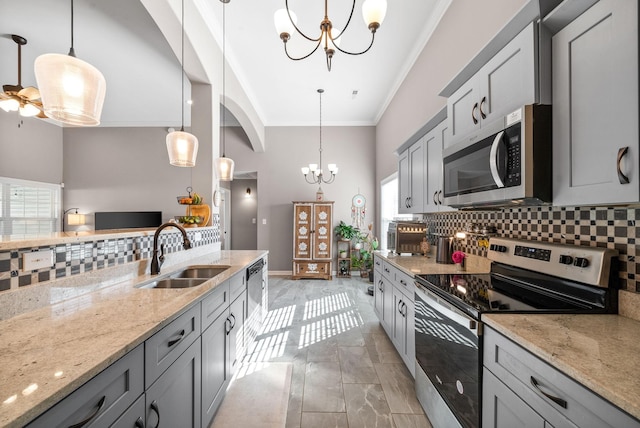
(30, 149)
(244, 211)
(466, 27)
(280, 181)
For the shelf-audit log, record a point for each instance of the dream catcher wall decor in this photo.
(358, 210)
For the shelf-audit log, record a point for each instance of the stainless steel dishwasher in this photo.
(255, 290)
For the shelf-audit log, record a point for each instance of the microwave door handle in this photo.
(493, 160)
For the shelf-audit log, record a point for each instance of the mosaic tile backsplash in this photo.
(85, 256)
(610, 227)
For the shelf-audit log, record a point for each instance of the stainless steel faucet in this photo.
(156, 261)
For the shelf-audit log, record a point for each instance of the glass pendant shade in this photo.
(72, 90)
(224, 168)
(283, 23)
(374, 11)
(10, 105)
(182, 148)
(28, 110)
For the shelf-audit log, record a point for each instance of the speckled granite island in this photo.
(48, 352)
(602, 352)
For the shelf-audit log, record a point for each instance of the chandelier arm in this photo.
(286, 4)
(286, 51)
(314, 181)
(373, 36)
(353, 7)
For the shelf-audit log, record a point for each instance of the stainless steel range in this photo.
(526, 276)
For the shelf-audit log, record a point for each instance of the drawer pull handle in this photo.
(622, 178)
(233, 324)
(93, 415)
(559, 401)
(174, 341)
(482, 114)
(139, 423)
(154, 407)
(403, 282)
(473, 114)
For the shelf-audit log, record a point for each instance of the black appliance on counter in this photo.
(526, 277)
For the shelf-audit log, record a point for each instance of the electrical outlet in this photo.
(37, 260)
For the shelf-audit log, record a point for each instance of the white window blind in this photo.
(28, 207)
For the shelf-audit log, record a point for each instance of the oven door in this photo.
(448, 352)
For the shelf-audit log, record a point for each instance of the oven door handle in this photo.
(494, 160)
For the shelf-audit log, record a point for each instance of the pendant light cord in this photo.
(72, 52)
(224, 80)
(320, 91)
(182, 67)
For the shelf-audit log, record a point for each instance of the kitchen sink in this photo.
(191, 276)
(207, 272)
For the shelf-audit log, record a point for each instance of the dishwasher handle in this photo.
(255, 269)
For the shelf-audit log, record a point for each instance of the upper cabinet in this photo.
(411, 172)
(434, 142)
(518, 74)
(595, 106)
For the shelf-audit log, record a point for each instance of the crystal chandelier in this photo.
(317, 175)
(373, 12)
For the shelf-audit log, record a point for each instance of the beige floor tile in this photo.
(411, 421)
(367, 406)
(324, 420)
(381, 350)
(323, 388)
(356, 366)
(399, 388)
(326, 350)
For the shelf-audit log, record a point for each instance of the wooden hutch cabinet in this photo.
(312, 239)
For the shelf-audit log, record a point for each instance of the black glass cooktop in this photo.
(511, 289)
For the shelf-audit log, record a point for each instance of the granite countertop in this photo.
(46, 353)
(416, 265)
(602, 352)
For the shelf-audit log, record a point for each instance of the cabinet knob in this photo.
(581, 262)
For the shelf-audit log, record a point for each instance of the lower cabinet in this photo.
(174, 399)
(393, 299)
(521, 390)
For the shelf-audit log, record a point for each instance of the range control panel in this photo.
(590, 265)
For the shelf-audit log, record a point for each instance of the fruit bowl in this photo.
(189, 220)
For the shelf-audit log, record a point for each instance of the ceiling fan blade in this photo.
(29, 93)
(12, 88)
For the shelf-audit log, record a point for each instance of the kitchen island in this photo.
(47, 353)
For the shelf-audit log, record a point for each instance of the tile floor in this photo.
(344, 371)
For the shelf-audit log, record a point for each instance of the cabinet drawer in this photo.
(215, 304)
(519, 370)
(377, 264)
(311, 269)
(164, 347)
(388, 271)
(133, 417)
(404, 283)
(105, 397)
(237, 284)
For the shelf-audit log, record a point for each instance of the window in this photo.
(28, 207)
(389, 206)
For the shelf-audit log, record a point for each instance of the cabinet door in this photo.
(174, 400)
(378, 294)
(386, 288)
(508, 80)
(322, 231)
(302, 227)
(433, 145)
(404, 183)
(403, 329)
(214, 366)
(595, 106)
(463, 109)
(502, 408)
(237, 315)
(418, 172)
(133, 417)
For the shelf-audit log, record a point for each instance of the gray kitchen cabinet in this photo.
(222, 351)
(174, 399)
(383, 294)
(515, 76)
(411, 179)
(502, 408)
(101, 401)
(404, 337)
(435, 142)
(164, 347)
(521, 377)
(133, 417)
(595, 106)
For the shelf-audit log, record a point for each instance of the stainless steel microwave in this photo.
(507, 162)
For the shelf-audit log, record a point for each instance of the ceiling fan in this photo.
(15, 97)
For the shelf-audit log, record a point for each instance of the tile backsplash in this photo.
(94, 254)
(610, 227)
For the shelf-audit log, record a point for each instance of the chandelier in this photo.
(317, 176)
(373, 12)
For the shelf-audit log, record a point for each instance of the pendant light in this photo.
(182, 146)
(72, 90)
(223, 165)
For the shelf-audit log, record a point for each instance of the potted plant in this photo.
(345, 232)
